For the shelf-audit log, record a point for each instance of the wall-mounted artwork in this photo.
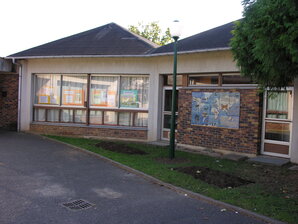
(216, 109)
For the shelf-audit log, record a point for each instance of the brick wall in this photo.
(246, 139)
(8, 101)
(88, 131)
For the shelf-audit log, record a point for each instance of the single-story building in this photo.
(109, 82)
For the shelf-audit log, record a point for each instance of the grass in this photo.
(274, 193)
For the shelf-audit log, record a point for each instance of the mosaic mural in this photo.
(217, 109)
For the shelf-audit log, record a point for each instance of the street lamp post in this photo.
(175, 31)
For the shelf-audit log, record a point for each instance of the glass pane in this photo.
(110, 117)
(80, 116)
(168, 80)
(235, 79)
(134, 92)
(203, 80)
(277, 131)
(168, 100)
(47, 89)
(39, 115)
(74, 90)
(125, 118)
(103, 91)
(167, 121)
(66, 115)
(278, 104)
(141, 119)
(53, 115)
(95, 117)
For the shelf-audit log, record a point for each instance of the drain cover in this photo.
(77, 205)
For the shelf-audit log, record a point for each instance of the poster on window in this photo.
(43, 99)
(99, 97)
(103, 98)
(73, 97)
(46, 95)
(217, 109)
(129, 98)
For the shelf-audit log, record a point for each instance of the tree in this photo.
(265, 42)
(152, 32)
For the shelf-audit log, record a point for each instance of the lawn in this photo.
(270, 191)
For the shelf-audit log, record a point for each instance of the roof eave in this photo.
(119, 56)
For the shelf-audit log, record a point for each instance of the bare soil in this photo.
(120, 148)
(214, 177)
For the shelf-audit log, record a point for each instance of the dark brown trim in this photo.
(103, 117)
(133, 119)
(88, 100)
(46, 115)
(184, 80)
(118, 119)
(61, 89)
(220, 79)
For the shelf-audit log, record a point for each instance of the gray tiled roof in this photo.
(113, 40)
(216, 38)
(110, 39)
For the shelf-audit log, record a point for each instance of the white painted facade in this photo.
(154, 66)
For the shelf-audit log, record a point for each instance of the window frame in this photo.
(87, 102)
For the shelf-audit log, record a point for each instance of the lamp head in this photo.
(176, 29)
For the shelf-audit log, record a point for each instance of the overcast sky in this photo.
(29, 23)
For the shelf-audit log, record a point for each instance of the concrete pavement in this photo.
(38, 175)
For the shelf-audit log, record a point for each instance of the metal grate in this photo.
(77, 205)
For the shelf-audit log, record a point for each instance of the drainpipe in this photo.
(19, 93)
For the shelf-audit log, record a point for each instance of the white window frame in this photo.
(277, 120)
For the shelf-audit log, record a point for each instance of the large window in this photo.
(74, 90)
(203, 80)
(47, 89)
(104, 91)
(134, 92)
(113, 99)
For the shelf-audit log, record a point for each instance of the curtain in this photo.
(141, 119)
(53, 115)
(47, 89)
(125, 118)
(103, 91)
(277, 105)
(74, 90)
(134, 92)
(39, 115)
(96, 117)
(67, 115)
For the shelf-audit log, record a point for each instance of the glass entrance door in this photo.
(277, 123)
(166, 112)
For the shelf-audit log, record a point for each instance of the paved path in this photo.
(37, 175)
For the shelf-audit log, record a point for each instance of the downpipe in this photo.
(19, 92)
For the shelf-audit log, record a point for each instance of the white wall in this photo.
(294, 145)
(153, 66)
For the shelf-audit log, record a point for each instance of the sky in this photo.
(29, 23)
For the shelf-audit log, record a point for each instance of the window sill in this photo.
(91, 126)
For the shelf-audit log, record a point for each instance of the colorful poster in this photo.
(217, 109)
(73, 97)
(103, 98)
(129, 98)
(99, 97)
(43, 99)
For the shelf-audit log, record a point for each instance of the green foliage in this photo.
(152, 32)
(265, 42)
